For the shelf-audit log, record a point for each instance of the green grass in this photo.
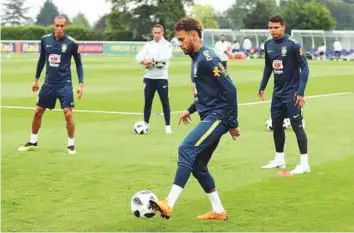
(48, 190)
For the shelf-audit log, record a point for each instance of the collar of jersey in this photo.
(281, 39)
(60, 38)
(195, 54)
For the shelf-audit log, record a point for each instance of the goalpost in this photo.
(257, 36)
(312, 39)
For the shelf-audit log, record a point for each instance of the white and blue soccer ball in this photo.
(140, 204)
(286, 124)
(141, 127)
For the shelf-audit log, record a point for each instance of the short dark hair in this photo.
(158, 26)
(277, 19)
(188, 25)
(59, 17)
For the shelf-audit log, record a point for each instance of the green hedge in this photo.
(35, 32)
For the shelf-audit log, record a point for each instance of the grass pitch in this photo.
(48, 190)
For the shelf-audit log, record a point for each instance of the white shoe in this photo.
(71, 150)
(275, 164)
(168, 129)
(300, 169)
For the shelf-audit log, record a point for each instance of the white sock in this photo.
(174, 194)
(34, 138)
(279, 156)
(216, 202)
(304, 160)
(71, 141)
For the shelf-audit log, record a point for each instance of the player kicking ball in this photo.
(216, 102)
(286, 59)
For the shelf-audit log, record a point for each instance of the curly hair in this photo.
(188, 25)
(277, 19)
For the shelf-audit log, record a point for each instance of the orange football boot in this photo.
(162, 207)
(211, 215)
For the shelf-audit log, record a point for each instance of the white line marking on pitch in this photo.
(138, 113)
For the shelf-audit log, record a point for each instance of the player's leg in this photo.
(66, 98)
(162, 89)
(277, 114)
(149, 92)
(206, 181)
(201, 137)
(46, 99)
(295, 116)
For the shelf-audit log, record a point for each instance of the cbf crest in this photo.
(64, 47)
(283, 51)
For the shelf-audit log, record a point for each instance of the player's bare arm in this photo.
(35, 85)
(80, 90)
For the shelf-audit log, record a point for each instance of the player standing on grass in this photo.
(155, 56)
(216, 102)
(286, 59)
(56, 51)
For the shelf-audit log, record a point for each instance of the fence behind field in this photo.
(85, 47)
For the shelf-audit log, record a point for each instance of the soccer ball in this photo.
(140, 204)
(286, 124)
(141, 127)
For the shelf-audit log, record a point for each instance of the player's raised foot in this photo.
(211, 215)
(162, 207)
(275, 164)
(300, 169)
(71, 150)
(29, 146)
(168, 129)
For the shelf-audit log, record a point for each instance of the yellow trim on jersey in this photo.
(207, 133)
(72, 39)
(47, 35)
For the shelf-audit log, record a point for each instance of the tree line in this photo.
(133, 19)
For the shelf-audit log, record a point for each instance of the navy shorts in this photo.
(284, 108)
(203, 138)
(49, 94)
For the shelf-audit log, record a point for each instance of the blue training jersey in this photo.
(56, 55)
(287, 60)
(213, 89)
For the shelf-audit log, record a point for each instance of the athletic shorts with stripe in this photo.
(197, 148)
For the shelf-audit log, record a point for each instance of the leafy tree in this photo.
(223, 21)
(138, 16)
(307, 15)
(100, 24)
(14, 12)
(320, 16)
(168, 13)
(206, 16)
(47, 13)
(81, 20)
(257, 17)
(342, 11)
(238, 12)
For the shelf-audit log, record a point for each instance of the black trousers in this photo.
(161, 86)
